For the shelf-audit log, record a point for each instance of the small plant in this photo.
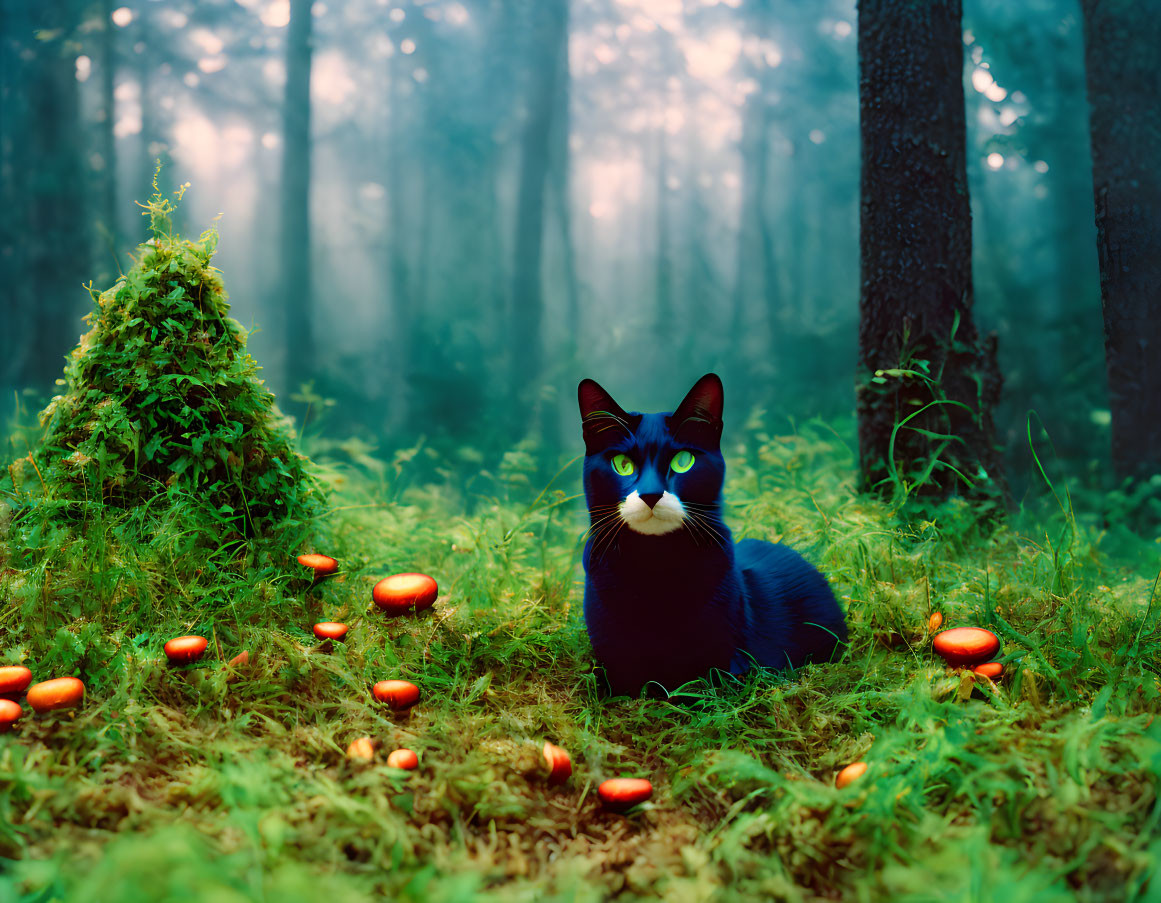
(928, 459)
(162, 402)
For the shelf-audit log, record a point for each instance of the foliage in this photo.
(202, 782)
(163, 414)
(927, 455)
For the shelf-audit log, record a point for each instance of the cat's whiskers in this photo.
(609, 536)
(599, 522)
(694, 526)
(706, 526)
(603, 523)
(613, 538)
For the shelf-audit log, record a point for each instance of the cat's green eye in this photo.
(623, 464)
(681, 462)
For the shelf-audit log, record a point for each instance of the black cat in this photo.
(668, 596)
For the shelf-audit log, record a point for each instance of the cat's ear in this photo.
(698, 419)
(603, 421)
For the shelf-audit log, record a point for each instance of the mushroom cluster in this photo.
(46, 696)
(399, 594)
(972, 652)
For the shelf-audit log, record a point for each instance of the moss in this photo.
(162, 403)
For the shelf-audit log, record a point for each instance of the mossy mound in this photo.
(163, 403)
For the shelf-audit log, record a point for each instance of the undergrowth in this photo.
(162, 414)
(212, 783)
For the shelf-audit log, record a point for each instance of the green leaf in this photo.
(153, 446)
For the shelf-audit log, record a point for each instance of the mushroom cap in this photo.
(621, 793)
(403, 758)
(330, 630)
(14, 678)
(58, 693)
(994, 670)
(10, 713)
(362, 748)
(559, 763)
(852, 772)
(399, 694)
(966, 645)
(401, 593)
(322, 564)
(184, 649)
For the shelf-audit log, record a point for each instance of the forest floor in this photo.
(206, 783)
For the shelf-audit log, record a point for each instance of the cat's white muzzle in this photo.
(665, 517)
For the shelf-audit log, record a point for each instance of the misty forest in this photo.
(316, 582)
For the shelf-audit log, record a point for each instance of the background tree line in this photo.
(442, 214)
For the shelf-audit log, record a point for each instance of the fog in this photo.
(479, 203)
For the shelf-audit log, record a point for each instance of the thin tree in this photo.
(15, 195)
(559, 177)
(1123, 61)
(398, 259)
(926, 382)
(755, 278)
(57, 243)
(548, 25)
(295, 215)
(111, 234)
(663, 282)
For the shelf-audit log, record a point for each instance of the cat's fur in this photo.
(668, 595)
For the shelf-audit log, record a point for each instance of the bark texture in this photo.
(915, 254)
(1123, 62)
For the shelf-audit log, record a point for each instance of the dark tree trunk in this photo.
(915, 239)
(549, 20)
(1123, 60)
(295, 214)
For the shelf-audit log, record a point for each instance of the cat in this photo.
(668, 595)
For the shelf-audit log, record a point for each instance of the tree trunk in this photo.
(109, 261)
(399, 264)
(15, 29)
(704, 298)
(156, 126)
(295, 214)
(550, 19)
(559, 176)
(57, 242)
(663, 283)
(1123, 57)
(756, 351)
(925, 425)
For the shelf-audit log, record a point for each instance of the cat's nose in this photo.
(651, 498)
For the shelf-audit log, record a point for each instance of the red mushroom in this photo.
(401, 593)
(60, 693)
(184, 649)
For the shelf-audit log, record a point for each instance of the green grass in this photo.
(198, 784)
